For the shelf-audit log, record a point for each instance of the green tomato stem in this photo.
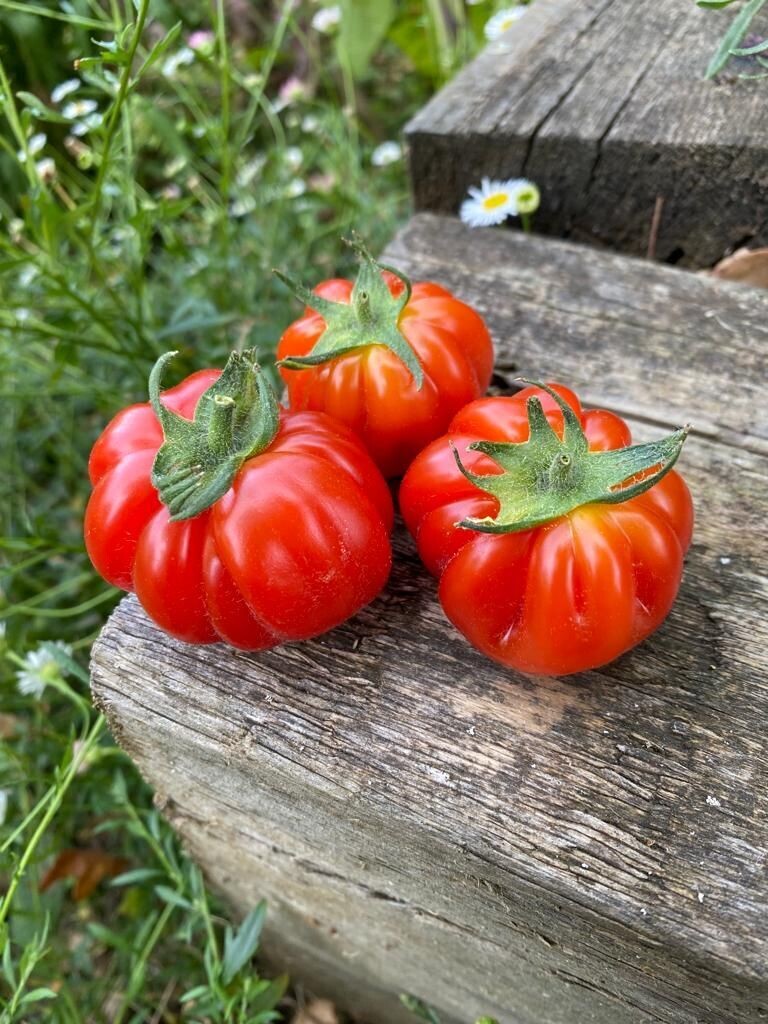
(371, 317)
(547, 477)
(235, 419)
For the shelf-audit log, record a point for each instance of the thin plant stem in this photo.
(78, 757)
(114, 116)
(139, 965)
(25, 7)
(224, 77)
(442, 38)
(11, 111)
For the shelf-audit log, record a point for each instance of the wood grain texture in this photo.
(592, 849)
(603, 103)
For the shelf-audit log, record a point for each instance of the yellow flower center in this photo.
(493, 202)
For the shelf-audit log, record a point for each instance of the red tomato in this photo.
(297, 544)
(397, 364)
(569, 593)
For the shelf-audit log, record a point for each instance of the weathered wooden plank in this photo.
(603, 103)
(592, 849)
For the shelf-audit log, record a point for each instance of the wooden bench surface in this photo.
(585, 849)
(604, 104)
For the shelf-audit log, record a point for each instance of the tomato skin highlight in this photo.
(298, 544)
(373, 392)
(566, 596)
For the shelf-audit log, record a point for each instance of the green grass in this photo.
(149, 218)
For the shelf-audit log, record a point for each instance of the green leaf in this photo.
(416, 47)
(39, 109)
(110, 45)
(109, 937)
(364, 24)
(37, 994)
(714, 4)
(420, 1009)
(137, 875)
(193, 993)
(8, 970)
(738, 29)
(160, 48)
(240, 946)
(748, 51)
(268, 997)
(126, 36)
(196, 323)
(171, 896)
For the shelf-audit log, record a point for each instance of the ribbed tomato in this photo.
(295, 543)
(394, 362)
(557, 546)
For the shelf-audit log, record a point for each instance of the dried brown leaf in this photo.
(87, 867)
(8, 725)
(747, 266)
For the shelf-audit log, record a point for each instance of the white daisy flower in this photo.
(26, 277)
(295, 188)
(183, 57)
(40, 668)
(326, 19)
(490, 204)
(46, 169)
(293, 157)
(503, 20)
(87, 124)
(3, 804)
(310, 123)
(35, 144)
(173, 167)
(201, 39)
(386, 153)
(64, 89)
(79, 108)
(240, 207)
(250, 171)
(292, 90)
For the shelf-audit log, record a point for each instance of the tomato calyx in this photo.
(547, 477)
(236, 418)
(371, 317)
